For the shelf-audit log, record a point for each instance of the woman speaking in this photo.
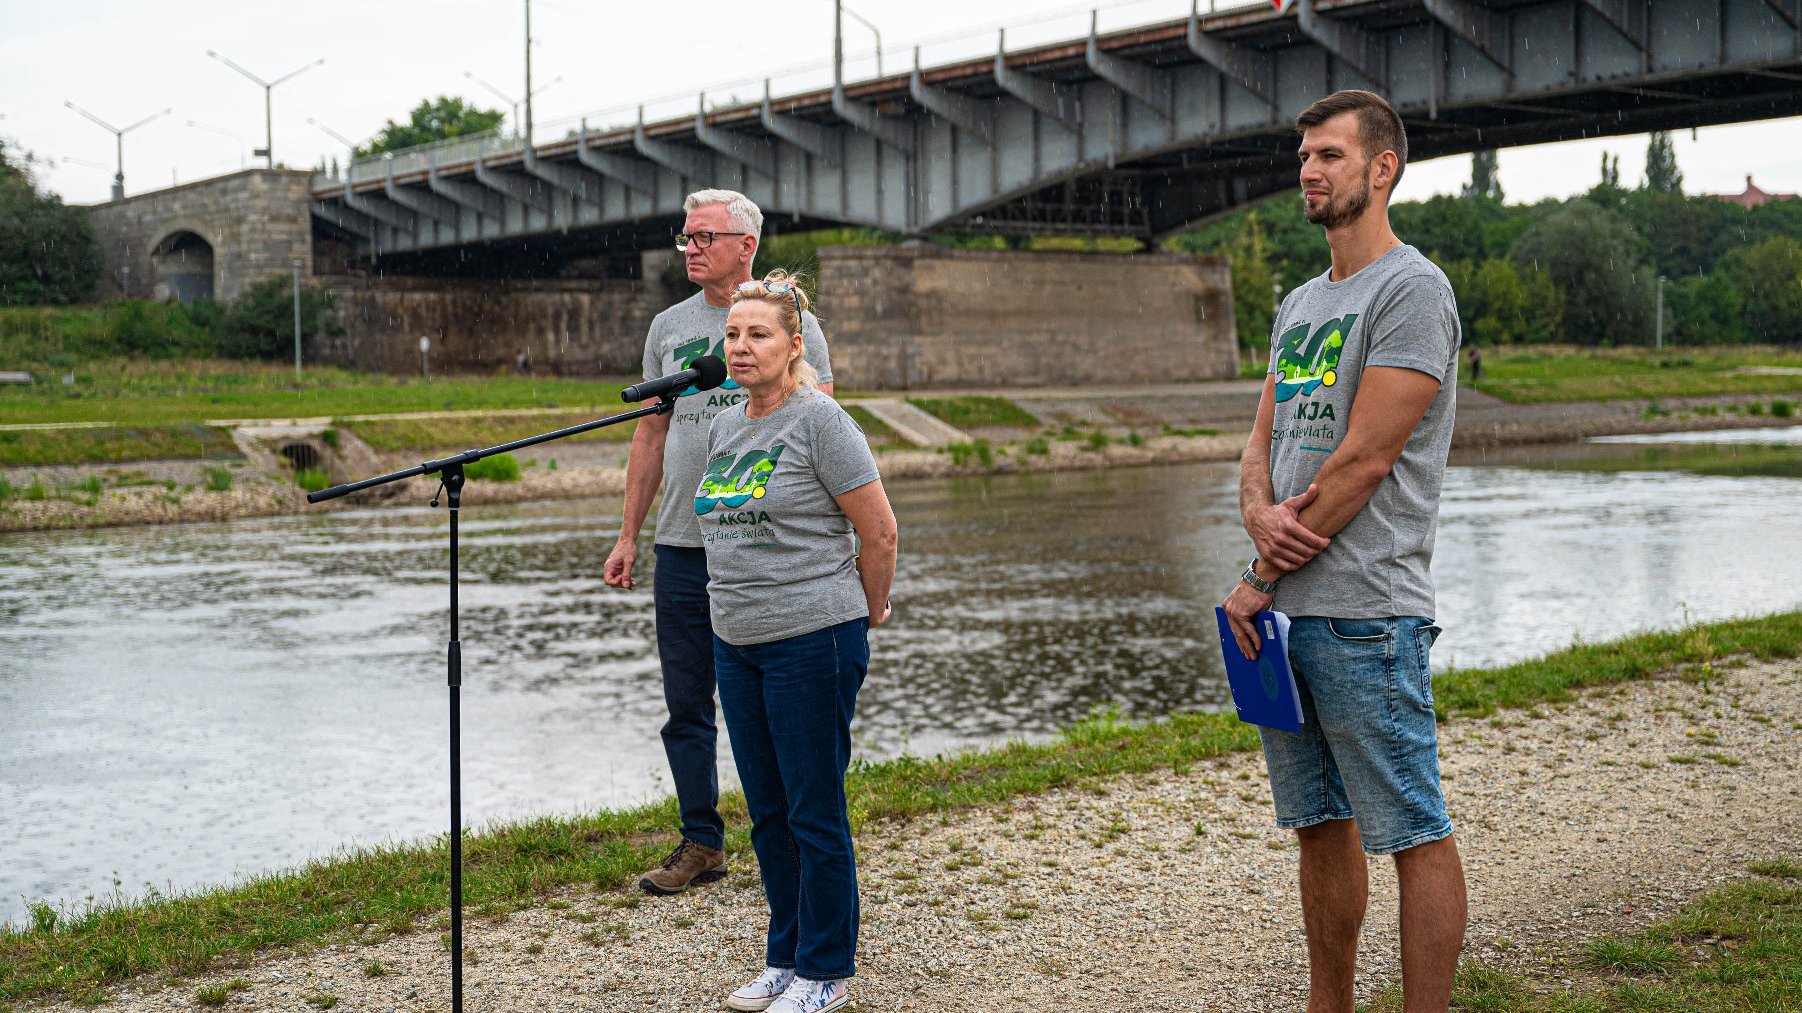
(789, 487)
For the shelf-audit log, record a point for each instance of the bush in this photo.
(312, 479)
(1704, 310)
(499, 468)
(48, 250)
(260, 323)
(219, 479)
(961, 453)
(1782, 409)
(1769, 276)
(1591, 254)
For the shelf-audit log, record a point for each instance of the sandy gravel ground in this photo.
(1595, 817)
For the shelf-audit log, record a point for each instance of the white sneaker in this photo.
(808, 996)
(759, 992)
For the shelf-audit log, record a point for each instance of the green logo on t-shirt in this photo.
(686, 354)
(732, 482)
(1306, 363)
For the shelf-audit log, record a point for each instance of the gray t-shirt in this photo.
(781, 555)
(1398, 311)
(680, 335)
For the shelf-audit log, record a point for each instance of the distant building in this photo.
(1753, 196)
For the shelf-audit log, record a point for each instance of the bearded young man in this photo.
(1339, 490)
(718, 242)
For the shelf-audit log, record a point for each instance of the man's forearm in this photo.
(1255, 490)
(1347, 481)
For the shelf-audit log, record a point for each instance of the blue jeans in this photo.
(1368, 748)
(685, 647)
(788, 707)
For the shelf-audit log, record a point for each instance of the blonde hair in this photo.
(789, 304)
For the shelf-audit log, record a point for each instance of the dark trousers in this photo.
(685, 646)
(788, 707)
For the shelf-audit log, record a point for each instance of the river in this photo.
(181, 705)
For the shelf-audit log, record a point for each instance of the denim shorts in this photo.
(1368, 748)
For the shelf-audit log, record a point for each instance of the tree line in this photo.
(1582, 270)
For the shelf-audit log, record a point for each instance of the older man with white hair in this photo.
(718, 242)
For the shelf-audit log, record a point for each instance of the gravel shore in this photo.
(1594, 817)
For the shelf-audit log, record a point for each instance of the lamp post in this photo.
(119, 140)
(510, 100)
(349, 145)
(1660, 337)
(860, 19)
(296, 264)
(268, 151)
(228, 133)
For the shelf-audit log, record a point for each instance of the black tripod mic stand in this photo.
(450, 473)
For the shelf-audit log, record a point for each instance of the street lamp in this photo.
(510, 100)
(229, 133)
(268, 151)
(296, 264)
(349, 144)
(119, 140)
(1660, 339)
(860, 19)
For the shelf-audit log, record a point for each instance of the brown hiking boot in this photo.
(690, 863)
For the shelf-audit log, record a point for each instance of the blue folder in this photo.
(1263, 687)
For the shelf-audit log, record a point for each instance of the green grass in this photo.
(1735, 949)
(33, 447)
(499, 468)
(368, 894)
(979, 450)
(129, 392)
(476, 432)
(976, 411)
(1533, 374)
(874, 429)
(1735, 460)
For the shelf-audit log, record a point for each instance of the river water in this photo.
(181, 705)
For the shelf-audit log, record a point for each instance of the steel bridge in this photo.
(1132, 133)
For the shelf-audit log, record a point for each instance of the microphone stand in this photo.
(450, 472)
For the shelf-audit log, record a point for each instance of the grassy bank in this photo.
(1533, 374)
(113, 445)
(131, 392)
(370, 894)
(1737, 949)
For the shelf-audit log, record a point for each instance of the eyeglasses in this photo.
(777, 287)
(703, 239)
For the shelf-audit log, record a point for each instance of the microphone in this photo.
(708, 372)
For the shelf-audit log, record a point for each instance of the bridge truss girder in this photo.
(1138, 133)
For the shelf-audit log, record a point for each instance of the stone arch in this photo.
(182, 266)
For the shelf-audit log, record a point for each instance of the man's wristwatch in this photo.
(1259, 584)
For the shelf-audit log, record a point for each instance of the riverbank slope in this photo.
(1077, 429)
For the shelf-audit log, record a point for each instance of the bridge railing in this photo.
(861, 64)
(450, 151)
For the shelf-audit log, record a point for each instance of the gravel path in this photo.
(1599, 816)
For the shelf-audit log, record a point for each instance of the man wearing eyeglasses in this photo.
(718, 242)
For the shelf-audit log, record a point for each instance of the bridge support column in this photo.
(926, 316)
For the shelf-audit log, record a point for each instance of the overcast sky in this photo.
(127, 59)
